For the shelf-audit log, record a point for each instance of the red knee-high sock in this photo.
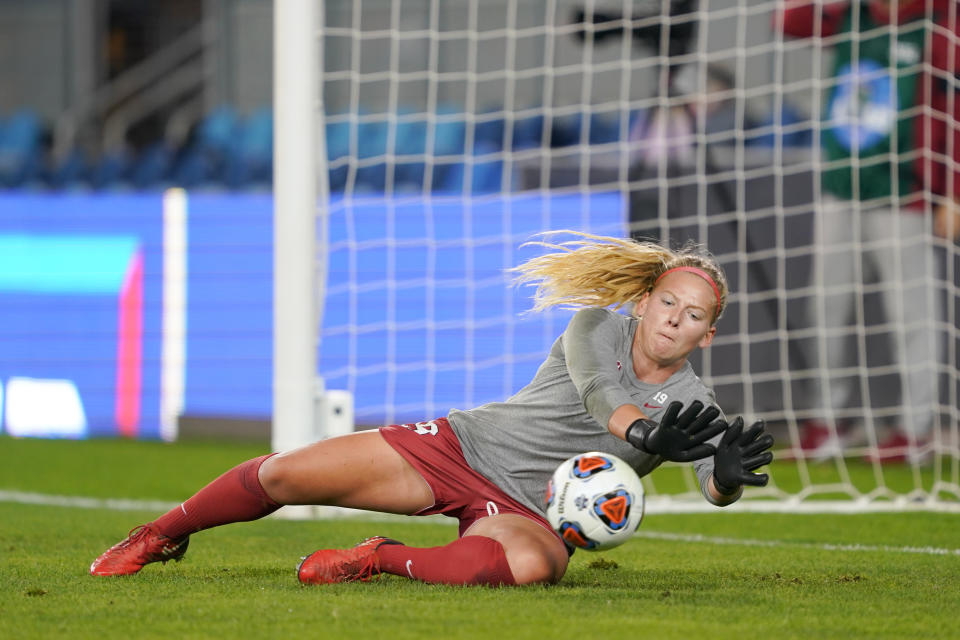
(469, 560)
(236, 496)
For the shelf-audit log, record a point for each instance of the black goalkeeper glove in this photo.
(678, 438)
(739, 454)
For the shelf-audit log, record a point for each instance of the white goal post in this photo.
(298, 181)
(419, 143)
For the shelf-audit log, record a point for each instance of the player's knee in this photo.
(277, 481)
(531, 565)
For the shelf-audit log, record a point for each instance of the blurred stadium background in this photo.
(137, 218)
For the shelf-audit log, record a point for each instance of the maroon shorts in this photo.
(458, 491)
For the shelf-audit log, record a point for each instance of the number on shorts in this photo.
(426, 428)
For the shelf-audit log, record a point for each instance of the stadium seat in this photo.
(111, 170)
(201, 164)
(70, 172)
(152, 167)
(489, 130)
(250, 164)
(371, 145)
(193, 168)
(21, 153)
(487, 173)
(565, 130)
(605, 128)
(218, 130)
(411, 137)
(527, 132)
(449, 132)
(337, 133)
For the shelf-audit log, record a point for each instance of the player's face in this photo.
(676, 318)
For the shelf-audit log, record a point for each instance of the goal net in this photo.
(455, 131)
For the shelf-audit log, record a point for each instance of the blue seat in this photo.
(152, 167)
(527, 132)
(605, 128)
(565, 130)
(192, 168)
(111, 170)
(337, 134)
(411, 139)
(489, 131)
(487, 173)
(448, 136)
(372, 145)
(251, 162)
(214, 139)
(411, 136)
(218, 130)
(21, 153)
(70, 172)
(337, 139)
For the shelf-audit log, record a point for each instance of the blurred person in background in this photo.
(695, 116)
(890, 132)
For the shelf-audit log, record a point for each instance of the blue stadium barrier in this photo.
(442, 261)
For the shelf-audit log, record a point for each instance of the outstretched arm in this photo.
(679, 437)
(738, 455)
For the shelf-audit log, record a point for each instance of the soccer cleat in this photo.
(359, 563)
(819, 442)
(897, 449)
(142, 546)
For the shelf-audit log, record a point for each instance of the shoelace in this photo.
(168, 546)
(135, 534)
(364, 573)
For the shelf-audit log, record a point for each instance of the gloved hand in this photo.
(739, 454)
(678, 437)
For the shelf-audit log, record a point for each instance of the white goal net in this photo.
(455, 130)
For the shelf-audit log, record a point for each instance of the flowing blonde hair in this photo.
(600, 271)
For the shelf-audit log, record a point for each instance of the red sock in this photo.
(236, 496)
(469, 560)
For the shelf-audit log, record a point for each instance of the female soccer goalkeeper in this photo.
(612, 382)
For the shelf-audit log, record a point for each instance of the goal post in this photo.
(444, 134)
(299, 201)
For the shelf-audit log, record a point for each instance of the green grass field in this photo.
(749, 576)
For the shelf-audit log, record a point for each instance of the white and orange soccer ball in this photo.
(595, 501)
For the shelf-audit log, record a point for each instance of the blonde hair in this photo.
(600, 271)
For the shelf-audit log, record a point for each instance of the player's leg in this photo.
(500, 544)
(830, 312)
(359, 471)
(534, 553)
(502, 549)
(378, 479)
(911, 310)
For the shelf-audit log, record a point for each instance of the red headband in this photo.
(700, 272)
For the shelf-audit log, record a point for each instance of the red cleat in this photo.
(328, 566)
(143, 546)
(897, 449)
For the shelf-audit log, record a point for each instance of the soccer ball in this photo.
(595, 501)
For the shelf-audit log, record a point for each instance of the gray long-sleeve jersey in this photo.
(565, 409)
